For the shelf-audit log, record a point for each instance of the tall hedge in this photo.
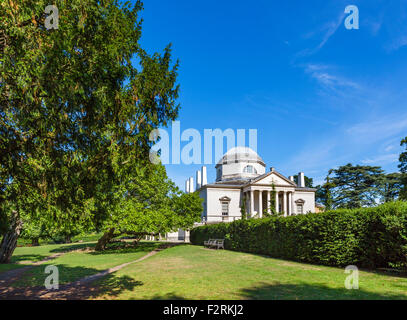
(366, 237)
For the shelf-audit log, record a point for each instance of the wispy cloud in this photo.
(379, 129)
(327, 30)
(327, 78)
(382, 159)
(397, 43)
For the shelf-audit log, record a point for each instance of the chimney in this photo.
(198, 179)
(301, 180)
(204, 179)
(187, 186)
(291, 178)
(191, 185)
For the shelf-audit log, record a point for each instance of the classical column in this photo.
(290, 199)
(260, 204)
(268, 201)
(285, 203)
(251, 202)
(277, 206)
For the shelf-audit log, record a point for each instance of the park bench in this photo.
(215, 243)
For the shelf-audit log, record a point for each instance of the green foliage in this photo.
(149, 202)
(273, 210)
(323, 194)
(243, 209)
(77, 107)
(355, 186)
(366, 237)
(391, 186)
(403, 169)
(309, 182)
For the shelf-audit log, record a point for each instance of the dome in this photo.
(240, 154)
(239, 164)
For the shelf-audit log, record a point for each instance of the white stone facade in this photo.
(241, 176)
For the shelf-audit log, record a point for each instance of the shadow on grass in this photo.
(117, 248)
(311, 292)
(31, 286)
(72, 247)
(168, 296)
(28, 257)
(130, 247)
(109, 286)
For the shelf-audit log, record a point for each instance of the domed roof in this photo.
(240, 154)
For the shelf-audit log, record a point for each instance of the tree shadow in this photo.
(265, 291)
(31, 285)
(73, 247)
(168, 296)
(28, 258)
(117, 248)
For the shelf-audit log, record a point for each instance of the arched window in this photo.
(250, 169)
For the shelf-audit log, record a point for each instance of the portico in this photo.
(258, 200)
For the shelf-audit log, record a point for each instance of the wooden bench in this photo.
(215, 243)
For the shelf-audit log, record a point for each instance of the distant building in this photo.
(241, 177)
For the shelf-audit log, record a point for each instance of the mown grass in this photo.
(75, 265)
(194, 272)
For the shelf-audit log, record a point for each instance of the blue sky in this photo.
(319, 95)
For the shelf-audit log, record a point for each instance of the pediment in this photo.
(273, 178)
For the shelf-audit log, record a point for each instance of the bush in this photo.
(366, 237)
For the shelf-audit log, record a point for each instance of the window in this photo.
(225, 208)
(300, 208)
(219, 173)
(250, 169)
(225, 211)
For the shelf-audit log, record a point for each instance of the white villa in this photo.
(241, 176)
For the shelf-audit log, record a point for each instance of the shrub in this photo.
(366, 237)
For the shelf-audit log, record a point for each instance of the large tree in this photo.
(76, 104)
(149, 203)
(356, 186)
(391, 186)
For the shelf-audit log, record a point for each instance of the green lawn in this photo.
(194, 272)
(75, 265)
(27, 255)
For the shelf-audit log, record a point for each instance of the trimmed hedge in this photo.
(366, 237)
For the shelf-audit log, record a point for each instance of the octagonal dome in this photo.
(239, 163)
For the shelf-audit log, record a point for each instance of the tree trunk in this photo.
(9, 242)
(35, 242)
(104, 240)
(68, 238)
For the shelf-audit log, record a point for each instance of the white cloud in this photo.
(382, 159)
(380, 129)
(397, 43)
(327, 79)
(328, 30)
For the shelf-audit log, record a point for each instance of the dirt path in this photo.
(78, 290)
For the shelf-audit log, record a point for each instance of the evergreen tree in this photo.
(356, 186)
(403, 169)
(77, 106)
